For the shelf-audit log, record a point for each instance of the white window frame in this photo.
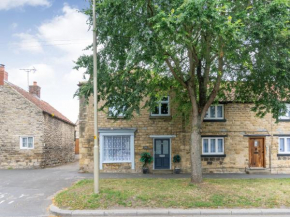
(286, 117)
(216, 117)
(132, 151)
(159, 107)
(21, 142)
(285, 146)
(216, 146)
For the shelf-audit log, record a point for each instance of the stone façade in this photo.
(53, 138)
(239, 125)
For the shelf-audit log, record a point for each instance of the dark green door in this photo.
(161, 154)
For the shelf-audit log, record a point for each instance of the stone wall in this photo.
(19, 117)
(240, 123)
(59, 141)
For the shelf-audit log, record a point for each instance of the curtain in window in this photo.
(116, 148)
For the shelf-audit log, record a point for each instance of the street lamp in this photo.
(96, 139)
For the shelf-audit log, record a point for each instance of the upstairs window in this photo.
(26, 142)
(162, 109)
(215, 112)
(284, 145)
(213, 146)
(113, 111)
(287, 115)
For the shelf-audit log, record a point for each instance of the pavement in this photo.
(30, 192)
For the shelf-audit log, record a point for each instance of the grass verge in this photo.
(176, 193)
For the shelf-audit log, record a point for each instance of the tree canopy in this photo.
(148, 48)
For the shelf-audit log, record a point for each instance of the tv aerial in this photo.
(33, 70)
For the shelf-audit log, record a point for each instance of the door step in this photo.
(162, 171)
(258, 170)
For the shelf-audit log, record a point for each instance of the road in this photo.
(29, 192)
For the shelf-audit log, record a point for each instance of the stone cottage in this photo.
(33, 133)
(234, 140)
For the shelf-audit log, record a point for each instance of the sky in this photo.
(48, 35)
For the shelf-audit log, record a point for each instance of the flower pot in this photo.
(177, 170)
(145, 170)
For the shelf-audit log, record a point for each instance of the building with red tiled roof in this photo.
(33, 133)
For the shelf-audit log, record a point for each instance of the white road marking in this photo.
(2, 201)
(1, 196)
(22, 195)
(11, 202)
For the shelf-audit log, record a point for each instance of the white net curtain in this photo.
(117, 149)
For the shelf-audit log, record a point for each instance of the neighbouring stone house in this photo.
(234, 140)
(33, 133)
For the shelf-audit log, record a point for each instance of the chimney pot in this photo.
(35, 89)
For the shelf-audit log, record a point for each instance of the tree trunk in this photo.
(195, 153)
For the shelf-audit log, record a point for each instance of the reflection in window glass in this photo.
(212, 111)
(220, 145)
(219, 111)
(282, 149)
(205, 145)
(164, 108)
(212, 145)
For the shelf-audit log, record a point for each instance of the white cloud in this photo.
(67, 32)
(28, 42)
(9, 4)
(57, 43)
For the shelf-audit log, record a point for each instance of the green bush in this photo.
(146, 158)
(176, 159)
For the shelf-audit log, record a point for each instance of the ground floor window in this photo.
(117, 146)
(214, 146)
(284, 145)
(26, 142)
(116, 149)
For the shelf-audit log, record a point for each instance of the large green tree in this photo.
(202, 50)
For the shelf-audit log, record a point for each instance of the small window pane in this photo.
(158, 147)
(288, 144)
(205, 145)
(212, 111)
(30, 142)
(164, 108)
(165, 98)
(220, 146)
(219, 111)
(282, 149)
(207, 114)
(212, 145)
(156, 110)
(165, 147)
(24, 142)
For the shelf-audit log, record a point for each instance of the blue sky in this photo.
(48, 35)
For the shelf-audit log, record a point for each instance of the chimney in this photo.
(35, 89)
(3, 74)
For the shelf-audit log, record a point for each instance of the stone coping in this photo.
(166, 212)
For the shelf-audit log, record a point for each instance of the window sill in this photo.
(283, 155)
(116, 162)
(214, 120)
(213, 155)
(120, 117)
(168, 117)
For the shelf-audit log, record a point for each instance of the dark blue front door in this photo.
(162, 154)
